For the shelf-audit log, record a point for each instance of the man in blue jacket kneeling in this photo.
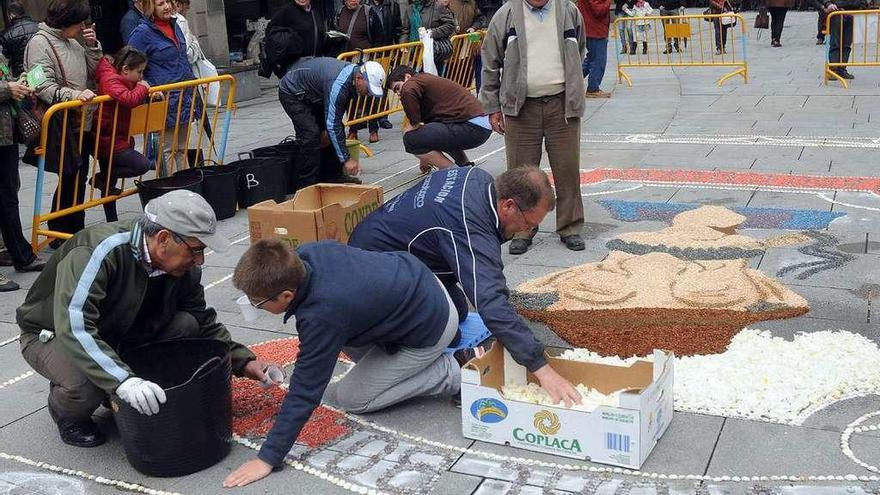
(387, 311)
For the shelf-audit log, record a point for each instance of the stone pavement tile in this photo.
(786, 103)
(610, 158)
(719, 197)
(269, 324)
(456, 484)
(496, 487)
(838, 415)
(20, 399)
(737, 151)
(8, 330)
(549, 251)
(776, 450)
(687, 445)
(829, 103)
(864, 269)
(37, 438)
(13, 363)
(774, 199)
(838, 305)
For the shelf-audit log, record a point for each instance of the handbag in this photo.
(203, 68)
(26, 124)
(762, 21)
(442, 48)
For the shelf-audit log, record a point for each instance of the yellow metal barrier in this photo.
(858, 32)
(460, 65)
(365, 108)
(146, 120)
(459, 68)
(704, 40)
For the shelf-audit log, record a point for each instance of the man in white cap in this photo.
(115, 286)
(316, 93)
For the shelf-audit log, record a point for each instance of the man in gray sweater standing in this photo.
(540, 43)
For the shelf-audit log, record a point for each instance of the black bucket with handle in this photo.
(288, 150)
(260, 179)
(153, 188)
(193, 429)
(219, 187)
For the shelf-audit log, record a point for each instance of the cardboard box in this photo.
(322, 211)
(620, 436)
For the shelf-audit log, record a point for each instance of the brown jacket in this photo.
(465, 12)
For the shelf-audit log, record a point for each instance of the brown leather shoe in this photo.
(598, 94)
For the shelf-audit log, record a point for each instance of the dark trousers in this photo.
(777, 21)
(126, 164)
(478, 71)
(841, 40)
(10, 222)
(71, 394)
(820, 25)
(308, 122)
(453, 139)
(541, 123)
(71, 190)
(720, 34)
(593, 66)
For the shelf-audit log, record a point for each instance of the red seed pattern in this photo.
(254, 408)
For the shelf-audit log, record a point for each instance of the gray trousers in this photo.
(541, 121)
(71, 394)
(379, 380)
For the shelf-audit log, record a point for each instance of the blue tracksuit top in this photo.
(351, 297)
(324, 82)
(450, 222)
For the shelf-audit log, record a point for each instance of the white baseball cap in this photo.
(375, 76)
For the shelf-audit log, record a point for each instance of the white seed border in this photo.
(855, 427)
(84, 475)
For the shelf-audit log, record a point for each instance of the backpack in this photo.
(273, 55)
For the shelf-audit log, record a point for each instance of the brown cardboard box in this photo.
(322, 211)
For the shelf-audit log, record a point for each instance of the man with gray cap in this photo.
(115, 286)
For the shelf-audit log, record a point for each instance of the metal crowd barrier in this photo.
(459, 67)
(147, 124)
(365, 108)
(702, 40)
(852, 39)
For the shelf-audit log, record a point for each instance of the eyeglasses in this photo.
(518, 207)
(194, 251)
(264, 301)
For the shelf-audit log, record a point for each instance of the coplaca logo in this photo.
(546, 422)
(488, 410)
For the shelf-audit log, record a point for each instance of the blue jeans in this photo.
(593, 66)
(625, 35)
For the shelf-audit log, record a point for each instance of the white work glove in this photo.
(142, 395)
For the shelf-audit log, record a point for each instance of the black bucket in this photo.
(153, 188)
(193, 429)
(260, 179)
(219, 187)
(287, 150)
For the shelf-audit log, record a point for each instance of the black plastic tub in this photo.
(260, 179)
(289, 151)
(193, 429)
(153, 188)
(219, 187)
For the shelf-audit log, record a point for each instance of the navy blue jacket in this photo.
(129, 21)
(324, 82)
(351, 297)
(450, 222)
(166, 64)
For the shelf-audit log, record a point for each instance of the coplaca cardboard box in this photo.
(620, 436)
(318, 212)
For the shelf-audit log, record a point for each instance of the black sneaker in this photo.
(573, 242)
(519, 246)
(384, 123)
(34, 266)
(80, 433)
(5, 258)
(844, 74)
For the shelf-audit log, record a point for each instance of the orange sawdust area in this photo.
(684, 332)
(254, 408)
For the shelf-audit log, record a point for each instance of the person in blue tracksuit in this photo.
(455, 221)
(315, 94)
(386, 310)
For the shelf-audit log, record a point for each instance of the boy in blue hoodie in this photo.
(387, 311)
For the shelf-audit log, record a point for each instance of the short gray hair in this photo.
(526, 185)
(149, 227)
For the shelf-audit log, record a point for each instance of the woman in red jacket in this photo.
(122, 78)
